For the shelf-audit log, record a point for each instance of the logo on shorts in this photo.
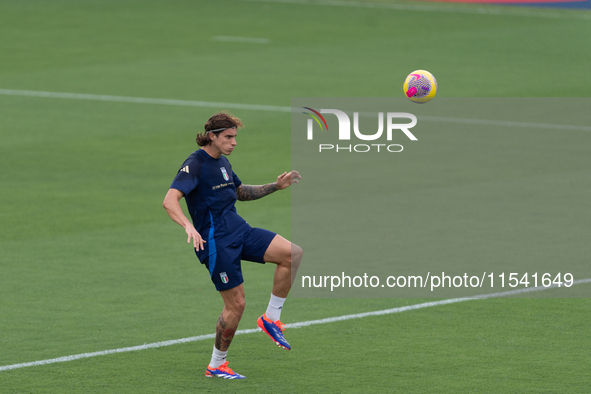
(224, 277)
(225, 173)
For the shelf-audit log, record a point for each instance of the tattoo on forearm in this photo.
(250, 192)
(224, 334)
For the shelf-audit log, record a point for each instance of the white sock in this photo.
(217, 358)
(274, 309)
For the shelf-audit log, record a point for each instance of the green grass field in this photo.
(89, 260)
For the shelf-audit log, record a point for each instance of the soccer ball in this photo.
(420, 86)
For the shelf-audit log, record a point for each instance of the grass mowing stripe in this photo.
(292, 325)
(502, 11)
(256, 107)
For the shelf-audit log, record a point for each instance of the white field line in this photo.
(503, 123)
(291, 325)
(430, 7)
(248, 40)
(142, 100)
(256, 107)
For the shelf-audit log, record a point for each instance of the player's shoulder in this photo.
(198, 156)
(224, 160)
(194, 162)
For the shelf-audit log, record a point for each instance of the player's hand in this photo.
(196, 237)
(287, 179)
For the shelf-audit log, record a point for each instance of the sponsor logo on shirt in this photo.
(220, 186)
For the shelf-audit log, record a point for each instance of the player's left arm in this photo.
(254, 192)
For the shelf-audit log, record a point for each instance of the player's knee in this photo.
(292, 257)
(236, 306)
(240, 305)
(296, 255)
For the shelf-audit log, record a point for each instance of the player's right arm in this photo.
(174, 210)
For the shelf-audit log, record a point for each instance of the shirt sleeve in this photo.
(237, 181)
(186, 179)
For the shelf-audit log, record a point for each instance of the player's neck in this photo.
(212, 151)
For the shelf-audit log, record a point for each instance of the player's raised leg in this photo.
(226, 327)
(287, 256)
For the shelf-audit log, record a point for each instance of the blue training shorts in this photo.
(224, 265)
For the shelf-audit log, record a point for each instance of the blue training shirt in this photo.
(210, 192)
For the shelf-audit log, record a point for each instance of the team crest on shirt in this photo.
(224, 277)
(225, 173)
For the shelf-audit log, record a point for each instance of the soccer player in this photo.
(221, 238)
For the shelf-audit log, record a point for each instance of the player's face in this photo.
(225, 141)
